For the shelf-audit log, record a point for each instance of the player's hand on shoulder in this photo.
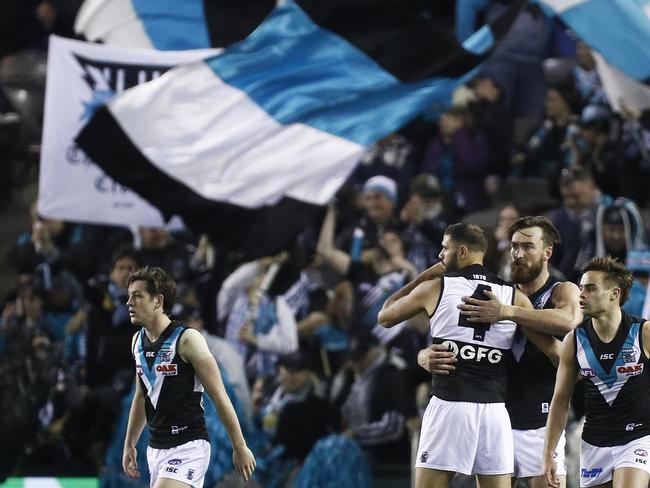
(437, 359)
(244, 461)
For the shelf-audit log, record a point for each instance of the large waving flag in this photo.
(249, 144)
(618, 29)
(170, 24)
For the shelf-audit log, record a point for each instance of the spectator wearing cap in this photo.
(458, 157)
(296, 415)
(545, 153)
(638, 263)
(425, 218)
(229, 360)
(378, 403)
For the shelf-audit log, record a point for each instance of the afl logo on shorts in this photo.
(167, 369)
(475, 353)
(641, 452)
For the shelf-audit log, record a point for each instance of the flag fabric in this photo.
(170, 24)
(249, 144)
(80, 77)
(618, 29)
(620, 88)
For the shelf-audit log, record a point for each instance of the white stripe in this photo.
(113, 22)
(619, 87)
(154, 393)
(213, 138)
(561, 5)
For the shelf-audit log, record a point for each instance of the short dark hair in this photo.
(550, 235)
(157, 282)
(471, 235)
(124, 251)
(616, 273)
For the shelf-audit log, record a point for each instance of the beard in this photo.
(452, 264)
(523, 273)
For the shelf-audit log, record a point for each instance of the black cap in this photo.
(296, 361)
(360, 342)
(426, 186)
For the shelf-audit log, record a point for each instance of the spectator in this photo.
(425, 216)
(259, 326)
(575, 220)
(379, 201)
(638, 263)
(109, 330)
(379, 403)
(545, 153)
(492, 118)
(375, 275)
(497, 258)
(296, 415)
(458, 157)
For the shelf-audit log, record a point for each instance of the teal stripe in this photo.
(298, 72)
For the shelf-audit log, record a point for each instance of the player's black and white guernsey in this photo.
(617, 383)
(482, 349)
(173, 393)
(532, 378)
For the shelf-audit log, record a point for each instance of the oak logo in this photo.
(167, 369)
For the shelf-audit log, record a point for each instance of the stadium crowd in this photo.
(296, 334)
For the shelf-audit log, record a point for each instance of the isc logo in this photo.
(167, 369)
(477, 353)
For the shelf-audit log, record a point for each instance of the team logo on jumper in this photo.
(641, 452)
(178, 429)
(167, 369)
(587, 373)
(165, 355)
(628, 355)
(424, 456)
(138, 370)
(545, 407)
(477, 353)
(591, 473)
(633, 370)
(175, 461)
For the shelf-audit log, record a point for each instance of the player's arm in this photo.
(194, 350)
(546, 343)
(557, 321)
(435, 271)
(422, 298)
(134, 427)
(556, 422)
